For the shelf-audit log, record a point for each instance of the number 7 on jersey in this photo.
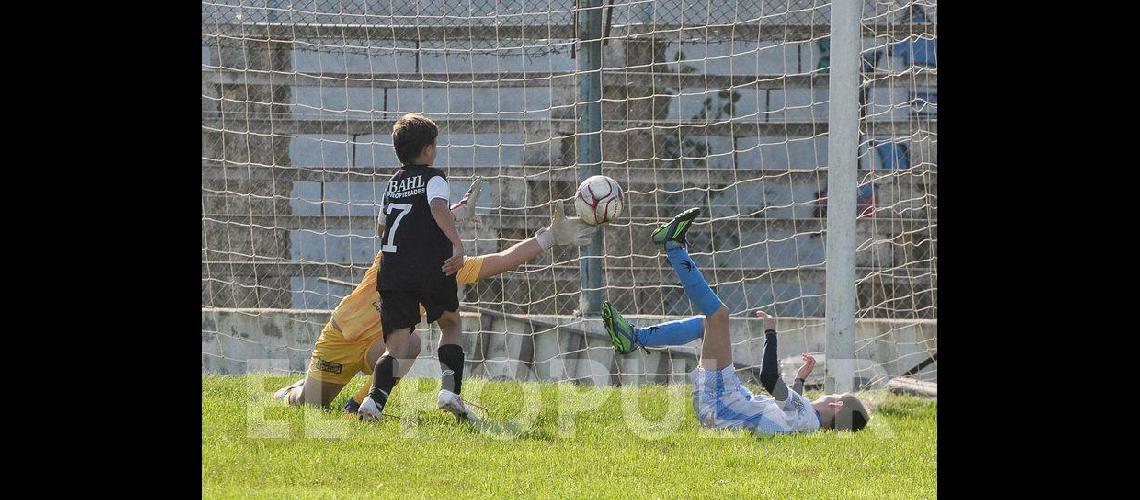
(405, 209)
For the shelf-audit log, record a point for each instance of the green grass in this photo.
(253, 446)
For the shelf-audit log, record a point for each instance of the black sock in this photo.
(451, 360)
(384, 379)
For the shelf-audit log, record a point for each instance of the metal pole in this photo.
(843, 138)
(590, 141)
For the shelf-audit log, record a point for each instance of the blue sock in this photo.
(678, 332)
(695, 285)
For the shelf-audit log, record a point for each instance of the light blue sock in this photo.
(695, 285)
(678, 332)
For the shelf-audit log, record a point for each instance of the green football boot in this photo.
(675, 229)
(621, 332)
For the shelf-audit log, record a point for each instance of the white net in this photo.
(721, 105)
(897, 281)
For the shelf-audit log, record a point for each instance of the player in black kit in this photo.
(418, 239)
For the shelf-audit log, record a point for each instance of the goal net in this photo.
(720, 105)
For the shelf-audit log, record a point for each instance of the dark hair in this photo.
(852, 416)
(411, 134)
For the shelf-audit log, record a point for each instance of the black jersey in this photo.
(414, 246)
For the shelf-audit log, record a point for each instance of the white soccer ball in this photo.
(599, 200)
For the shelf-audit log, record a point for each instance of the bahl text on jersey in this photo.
(409, 186)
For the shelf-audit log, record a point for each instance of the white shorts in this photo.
(722, 402)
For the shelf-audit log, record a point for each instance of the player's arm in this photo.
(561, 231)
(804, 371)
(437, 192)
(770, 370)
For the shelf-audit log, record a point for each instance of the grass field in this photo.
(627, 442)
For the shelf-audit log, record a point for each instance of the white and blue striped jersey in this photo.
(722, 402)
(798, 412)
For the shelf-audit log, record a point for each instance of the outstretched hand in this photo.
(564, 230)
(464, 211)
(769, 320)
(570, 230)
(808, 366)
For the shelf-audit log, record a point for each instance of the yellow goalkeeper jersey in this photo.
(357, 317)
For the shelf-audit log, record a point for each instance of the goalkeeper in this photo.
(720, 400)
(352, 342)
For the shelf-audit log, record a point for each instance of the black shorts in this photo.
(401, 309)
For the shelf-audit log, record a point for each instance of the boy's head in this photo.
(413, 137)
(842, 412)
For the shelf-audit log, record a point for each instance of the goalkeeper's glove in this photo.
(464, 211)
(564, 231)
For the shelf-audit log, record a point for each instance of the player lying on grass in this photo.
(351, 341)
(720, 400)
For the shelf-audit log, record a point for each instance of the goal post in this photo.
(842, 140)
(589, 136)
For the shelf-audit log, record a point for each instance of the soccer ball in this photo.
(599, 201)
